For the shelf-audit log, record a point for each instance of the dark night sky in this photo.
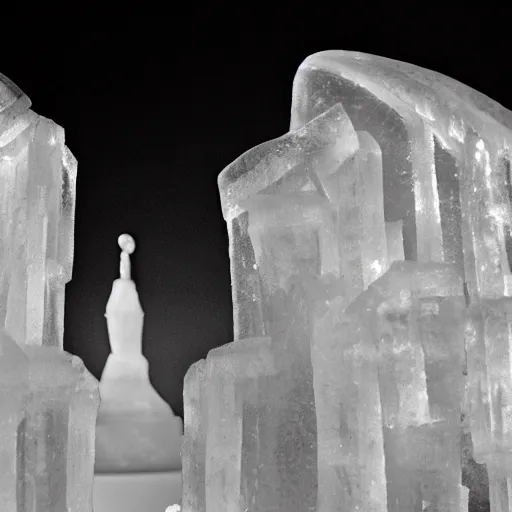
(152, 122)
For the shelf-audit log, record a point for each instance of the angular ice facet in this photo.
(277, 166)
(14, 397)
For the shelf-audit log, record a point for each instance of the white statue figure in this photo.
(136, 430)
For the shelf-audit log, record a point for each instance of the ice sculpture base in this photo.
(136, 492)
(136, 429)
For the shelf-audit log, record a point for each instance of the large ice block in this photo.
(372, 246)
(51, 432)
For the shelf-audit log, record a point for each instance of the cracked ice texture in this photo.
(371, 252)
(50, 400)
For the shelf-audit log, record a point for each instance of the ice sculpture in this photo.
(136, 429)
(48, 400)
(371, 254)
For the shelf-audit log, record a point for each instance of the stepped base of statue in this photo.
(136, 429)
(136, 492)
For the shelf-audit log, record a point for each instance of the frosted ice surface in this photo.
(319, 147)
(371, 246)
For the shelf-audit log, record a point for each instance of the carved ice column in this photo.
(54, 430)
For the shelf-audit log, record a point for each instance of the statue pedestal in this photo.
(136, 492)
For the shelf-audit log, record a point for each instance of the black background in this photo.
(153, 113)
(153, 119)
